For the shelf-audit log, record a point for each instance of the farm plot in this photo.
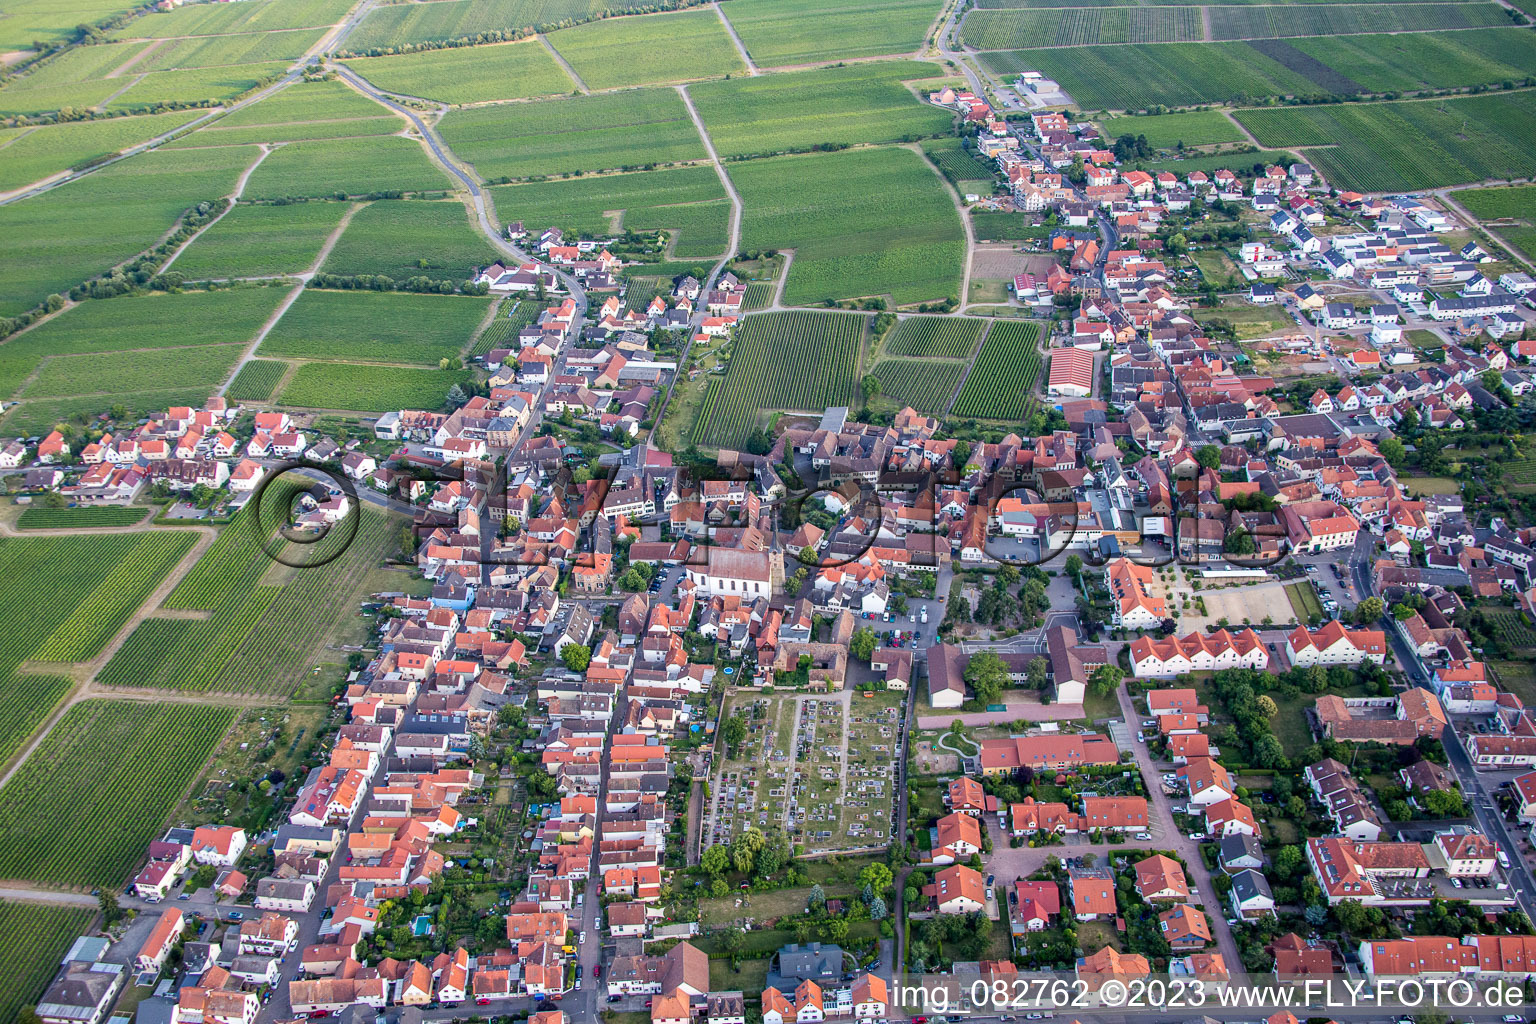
(197, 86)
(1514, 210)
(924, 384)
(767, 371)
(255, 241)
(613, 131)
(81, 808)
(56, 240)
(1425, 60)
(848, 105)
(1013, 29)
(43, 152)
(1002, 380)
(673, 47)
(688, 201)
(40, 936)
(950, 337)
(392, 25)
(511, 318)
(304, 110)
(956, 162)
(51, 21)
(257, 380)
(39, 517)
(410, 238)
(338, 168)
(758, 295)
(779, 32)
(1172, 74)
(469, 74)
(78, 64)
(119, 373)
(380, 327)
(1384, 147)
(370, 388)
(100, 327)
(235, 19)
(1166, 131)
(862, 222)
(217, 51)
(1251, 22)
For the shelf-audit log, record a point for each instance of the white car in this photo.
(583, 939)
(1196, 836)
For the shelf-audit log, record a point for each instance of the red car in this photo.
(320, 1015)
(597, 971)
(482, 1001)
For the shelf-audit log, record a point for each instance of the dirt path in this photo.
(725, 180)
(564, 64)
(746, 57)
(782, 283)
(234, 201)
(964, 298)
(131, 61)
(1205, 24)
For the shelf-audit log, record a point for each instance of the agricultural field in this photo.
(1252, 22)
(469, 74)
(37, 153)
(769, 356)
(758, 295)
(218, 51)
(858, 103)
(75, 66)
(257, 380)
(257, 241)
(957, 163)
(1512, 211)
(1167, 131)
(689, 201)
(513, 316)
(1231, 159)
(345, 167)
(672, 47)
(40, 935)
(369, 388)
(381, 327)
(1382, 147)
(782, 32)
(80, 809)
(410, 238)
(924, 384)
(51, 21)
(880, 224)
(949, 337)
(79, 230)
(1089, 26)
(1002, 379)
(235, 19)
(100, 327)
(39, 517)
(197, 86)
(117, 373)
(390, 25)
(1424, 60)
(303, 110)
(613, 131)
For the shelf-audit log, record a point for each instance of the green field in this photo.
(380, 327)
(767, 371)
(51, 21)
(513, 316)
(469, 74)
(1380, 147)
(1003, 377)
(1165, 131)
(197, 86)
(862, 222)
(80, 809)
(1304, 603)
(1251, 22)
(38, 517)
(127, 372)
(1427, 60)
(40, 935)
(843, 105)
(58, 239)
(236, 19)
(950, 337)
(411, 238)
(1014, 29)
(390, 25)
(39, 153)
(369, 388)
(98, 328)
(218, 51)
(924, 384)
(73, 78)
(614, 131)
(255, 241)
(673, 47)
(687, 200)
(304, 110)
(345, 167)
(779, 32)
(1515, 210)
(257, 380)
(958, 163)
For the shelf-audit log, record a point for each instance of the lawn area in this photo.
(1303, 600)
(1518, 677)
(1424, 339)
(1100, 706)
(469, 74)
(1290, 725)
(1093, 936)
(672, 47)
(1248, 320)
(748, 975)
(1422, 485)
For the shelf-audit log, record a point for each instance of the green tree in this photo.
(576, 657)
(1104, 681)
(1073, 566)
(1266, 705)
(111, 913)
(716, 860)
(1393, 450)
(1036, 672)
(877, 877)
(1369, 610)
(862, 646)
(987, 675)
(733, 730)
(871, 385)
(1209, 456)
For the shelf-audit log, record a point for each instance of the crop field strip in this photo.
(758, 295)
(204, 367)
(787, 32)
(81, 807)
(957, 163)
(39, 517)
(51, 21)
(235, 19)
(1165, 131)
(924, 384)
(257, 380)
(394, 25)
(221, 51)
(38, 936)
(1089, 26)
(303, 110)
(858, 103)
(612, 131)
(45, 151)
(84, 228)
(206, 86)
(358, 388)
(1514, 210)
(260, 240)
(770, 354)
(689, 201)
(335, 168)
(880, 222)
(378, 327)
(671, 47)
(505, 71)
(948, 337)
(1001, 382)
(410, 238)
(1381, 147)
(513, 316)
